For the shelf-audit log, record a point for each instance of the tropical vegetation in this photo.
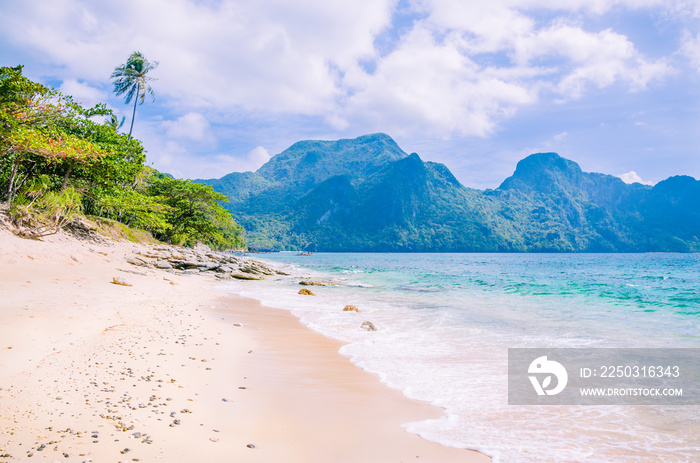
(131, 79)
(58, 160)
(367, 194)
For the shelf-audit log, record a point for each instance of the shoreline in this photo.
(161, 371)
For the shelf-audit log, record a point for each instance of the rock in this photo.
(369, 326)
(206, 266)
(250, 446)
(133, 272)
(199, 246)
(241, 276)
(262, 269)
(155, 254)
(249, 269)
(82, 229)
(136, 261)
(163, 264)
(226, 268)
(306, 292)
(192, 264)
(351, 308)
(120, 281)
(312, 283)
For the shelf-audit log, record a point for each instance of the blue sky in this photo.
(610, 84)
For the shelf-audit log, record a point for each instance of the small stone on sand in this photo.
(120, 281)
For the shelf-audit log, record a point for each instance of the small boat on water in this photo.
(302, 253)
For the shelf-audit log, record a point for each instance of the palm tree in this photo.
(114, 122)
(132, 79)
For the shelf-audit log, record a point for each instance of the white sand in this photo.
(80, 354)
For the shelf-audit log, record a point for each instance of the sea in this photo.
(444, 324)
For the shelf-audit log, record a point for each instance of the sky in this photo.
(475, 85)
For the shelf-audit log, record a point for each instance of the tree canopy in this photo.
(57, 158)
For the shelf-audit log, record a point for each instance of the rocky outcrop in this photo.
(181, 260)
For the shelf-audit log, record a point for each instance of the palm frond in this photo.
(131, 79)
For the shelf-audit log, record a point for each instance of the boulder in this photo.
(350, 308)
(306, 292)
(368, 326)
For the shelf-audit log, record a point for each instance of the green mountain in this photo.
(367, 194)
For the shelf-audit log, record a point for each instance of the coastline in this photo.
(161, 371)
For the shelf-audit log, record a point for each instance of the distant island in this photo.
(368, 195)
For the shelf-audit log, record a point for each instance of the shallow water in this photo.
(445, 322)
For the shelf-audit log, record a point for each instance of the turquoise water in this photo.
(445, 322)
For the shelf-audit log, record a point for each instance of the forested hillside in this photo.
(367, 194)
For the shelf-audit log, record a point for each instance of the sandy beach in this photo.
(172, 369)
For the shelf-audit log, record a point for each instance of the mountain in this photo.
(367, 194)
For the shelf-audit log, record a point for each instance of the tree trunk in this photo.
(133, 116)
(65, 177)
(11, 183)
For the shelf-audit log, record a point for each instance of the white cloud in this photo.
(690, 48)
(429, 85)
(633, 177)
(176, 160)
(191, 126)
(82, 92)
(459, 68)
(254, 159)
